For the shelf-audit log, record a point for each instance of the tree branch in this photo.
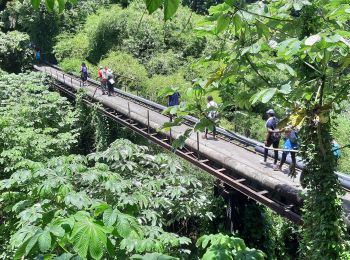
(261, 15)
(256, 70)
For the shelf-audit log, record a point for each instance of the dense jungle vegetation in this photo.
(72, 185)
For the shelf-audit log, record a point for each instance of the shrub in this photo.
(15, 54)
(106, 30)
(117, 29)
(158, 82)
(73, 66)
(69, 46)
(127, 70)
(163, 63)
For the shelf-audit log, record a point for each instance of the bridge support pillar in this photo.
(235, 205)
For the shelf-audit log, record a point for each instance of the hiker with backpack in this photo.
(110, 82)
(104, 79)
(212, 115)
(273, 135)
(83, 73)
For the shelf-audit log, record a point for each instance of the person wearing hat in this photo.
(272, 136)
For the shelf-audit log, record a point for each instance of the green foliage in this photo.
(294, 55)
(127, 70)
(163, 63)
(155, 85)
(35, 123)
(100, 124)
(66, 47)
(72, 66)
(15, 55)
(55, 213)
(221, 246)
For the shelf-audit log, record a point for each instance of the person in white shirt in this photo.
(212, 115)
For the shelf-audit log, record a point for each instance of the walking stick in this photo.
(95, 91)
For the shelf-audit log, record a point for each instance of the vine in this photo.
(101, 127)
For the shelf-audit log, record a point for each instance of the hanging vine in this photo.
(101, 129)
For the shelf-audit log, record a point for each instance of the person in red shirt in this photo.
(102, 78)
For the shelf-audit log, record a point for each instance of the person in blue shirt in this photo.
(37, 55)
(290, 143)
(336, 150)
(173, 100)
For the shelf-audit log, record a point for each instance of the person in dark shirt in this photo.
(83, 73)
(272, 136)
(173, 100)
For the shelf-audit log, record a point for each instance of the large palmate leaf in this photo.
(89, 236)
(153, 256)
(125, 225)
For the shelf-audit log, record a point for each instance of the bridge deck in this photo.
(242, 162)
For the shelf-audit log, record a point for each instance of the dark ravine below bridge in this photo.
(235, 165)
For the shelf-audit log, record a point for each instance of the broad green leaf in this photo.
(180, 140)
(312, 40)
(89, 236)
(44, 241)
(230, 2)
(220, 8)
(110, 216)
(153, 256)
(284, 67)
(36, 4)
(50, 4)
(222, 23)
(268, 95)
(204, 123)
(61, 5)
(170, 8)
(237, 21)
(288, 48)
(262, 29)
(153, 5)
(217, 252)
(285, 89)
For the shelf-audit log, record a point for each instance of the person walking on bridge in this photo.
(273, 135)
(290, 145)
(212, 115)
(83, 73)
(110, 82)
(104, 79)
(173, 100)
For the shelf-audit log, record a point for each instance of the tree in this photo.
(295, 54)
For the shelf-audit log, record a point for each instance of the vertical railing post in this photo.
(129, 111)
(64, 81)
(148, 122)
(198, 145)
(71, 81)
